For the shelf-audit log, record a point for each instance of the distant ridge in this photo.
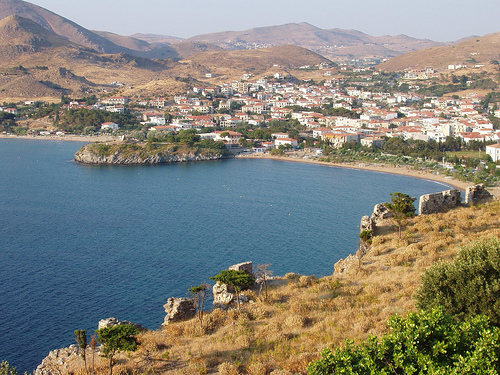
(335, 44)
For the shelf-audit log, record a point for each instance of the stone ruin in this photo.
(437, 202)
(428, 204)
(476, 193)
(178, 309)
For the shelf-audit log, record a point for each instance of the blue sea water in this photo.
(81, 243)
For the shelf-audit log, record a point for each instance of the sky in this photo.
(438, 20)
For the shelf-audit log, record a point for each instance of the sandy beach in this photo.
(378, 167)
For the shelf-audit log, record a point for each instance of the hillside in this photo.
(37, 63)
(57, 24)
(334, 44)
(253, 61)
(303, 314)
(471, 52)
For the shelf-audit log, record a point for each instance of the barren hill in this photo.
(255, 61)
(471, 52)
(20, 35)
(334, 43)
(59, 25)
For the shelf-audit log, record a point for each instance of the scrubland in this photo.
(303, 314)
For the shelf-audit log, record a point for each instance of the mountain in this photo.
(335, 44)
(472, 51)
(58, 25)
(20, 35)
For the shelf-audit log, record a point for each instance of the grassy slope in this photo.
(305, 314)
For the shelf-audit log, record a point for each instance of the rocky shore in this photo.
(140, 155)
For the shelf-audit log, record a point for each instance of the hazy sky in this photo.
(439, 20)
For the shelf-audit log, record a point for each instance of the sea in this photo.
(81, 243)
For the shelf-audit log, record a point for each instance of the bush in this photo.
(426, 342)
(468, 286)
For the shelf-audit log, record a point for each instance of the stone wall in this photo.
(245, 267)
(437, 202)
(476, 193)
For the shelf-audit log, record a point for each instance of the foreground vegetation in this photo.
(303, 315)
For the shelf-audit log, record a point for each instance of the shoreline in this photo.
(381, 168)
(378, 167)
(67, 138)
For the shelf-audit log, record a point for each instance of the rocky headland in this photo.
(144, 154)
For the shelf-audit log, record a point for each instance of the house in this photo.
(494, 152)
(109, 126)
(285, 141)
(228, 137)
(116, 100)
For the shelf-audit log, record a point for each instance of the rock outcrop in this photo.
(476, 193)
(110, 322)
(224, 294)
(345, 265)
(178, 309)
(380, 213)
(57, 361)
(88, 155)
(437, 202)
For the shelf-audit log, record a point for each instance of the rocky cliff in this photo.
(132, 154)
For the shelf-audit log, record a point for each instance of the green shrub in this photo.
(467, 286)
(426, 342)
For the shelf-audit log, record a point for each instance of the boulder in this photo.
(345, 265)
(380, 212)
(110, 322)
(223, 295)
(178, 309)
(367, 223)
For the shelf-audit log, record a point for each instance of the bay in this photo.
(82, 243)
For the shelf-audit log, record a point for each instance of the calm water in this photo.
(82, 243)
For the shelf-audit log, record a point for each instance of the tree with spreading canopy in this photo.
(116, 339)
(402, 208)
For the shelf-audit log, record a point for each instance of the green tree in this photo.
(116, 339)
(402, 208)
(237, 279)
(81, 341)
(425, 342)
(199, 294)
(467, 286)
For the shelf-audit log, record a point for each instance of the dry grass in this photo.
(305, 314)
